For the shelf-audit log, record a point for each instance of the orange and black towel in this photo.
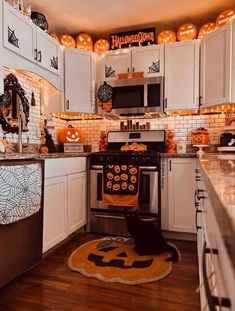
(120, 185)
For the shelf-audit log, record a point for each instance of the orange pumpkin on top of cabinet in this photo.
(166, 36)
(187, 32)
(205, 29)
(101, 45)
(70, 135)
(225, 17)
(84, 42)
(67, 40)
(54, 36)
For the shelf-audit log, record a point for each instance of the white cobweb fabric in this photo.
(20, 191)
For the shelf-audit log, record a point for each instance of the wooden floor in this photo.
(52, 286)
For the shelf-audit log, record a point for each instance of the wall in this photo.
(182, 125)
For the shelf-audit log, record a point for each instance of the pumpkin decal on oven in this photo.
(70, 135)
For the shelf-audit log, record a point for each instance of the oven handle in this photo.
(100, 215)
(143, 168)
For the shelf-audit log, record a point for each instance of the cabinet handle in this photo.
(170, 166)
(213, 301)
(200, 101)
(35, 54)
(196, 223)
(196, 204)
(165, 102)
(199, 196)
(133, 69)
(128, 69)
(67, 104)
(40, 56)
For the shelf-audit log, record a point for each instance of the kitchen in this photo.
(77, 101)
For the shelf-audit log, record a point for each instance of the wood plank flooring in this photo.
(51, 286)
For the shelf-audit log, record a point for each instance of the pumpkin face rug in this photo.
(113, 259)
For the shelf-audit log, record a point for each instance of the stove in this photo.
(110, 219)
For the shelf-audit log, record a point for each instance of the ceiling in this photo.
(102, 17)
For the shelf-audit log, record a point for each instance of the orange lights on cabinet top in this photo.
(166, 36)
(206, 28)
(187, 32)
(67, 40)
(54, 36)
(101, 45)
(84, 42)
(225, 17)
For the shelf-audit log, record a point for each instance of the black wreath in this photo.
(105, 92)
(11, 84)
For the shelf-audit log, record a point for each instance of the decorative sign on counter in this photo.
(132, 38)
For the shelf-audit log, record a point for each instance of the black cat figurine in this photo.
(148, 237)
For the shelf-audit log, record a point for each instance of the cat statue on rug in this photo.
(148, 237)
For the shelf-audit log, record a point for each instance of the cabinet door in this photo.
(1, 79)
(216, 67)
(48, 52)
(55, 211)
(76, 201)
(116, 62)
(181, 187)
(19, 33)
(182, 75)
(149, 59)
(79, 81)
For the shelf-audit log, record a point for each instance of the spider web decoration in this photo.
(12, 39)
(54, 62)
(105, 92)
(109, 72)
(21, 191)
(155, 67)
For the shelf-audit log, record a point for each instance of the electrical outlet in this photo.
(39, 133)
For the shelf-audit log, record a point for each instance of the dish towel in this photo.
(120, 185)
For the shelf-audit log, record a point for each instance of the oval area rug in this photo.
(113, 259)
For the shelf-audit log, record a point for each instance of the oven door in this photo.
(148, 202)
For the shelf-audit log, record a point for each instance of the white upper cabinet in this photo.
(115, 62)
(218, 67)
(182, 75)
(23, 37)
(149, 59)
(19, 33)
(79, 81)
(48, 49)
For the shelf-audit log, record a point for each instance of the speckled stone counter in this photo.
(218, 173)
(32, 156)
(178, 155)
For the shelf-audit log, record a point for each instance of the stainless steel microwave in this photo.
(136, 96)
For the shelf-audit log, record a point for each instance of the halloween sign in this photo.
(132, 38)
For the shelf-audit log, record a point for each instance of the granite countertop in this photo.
(179, 155)
(40, 156)
(218, 173)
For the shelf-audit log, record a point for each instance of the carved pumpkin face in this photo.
(67, 40)
(200, 138)
(70, 135)
(84, 42)
(187, 32)
(166, 36)
(205, 29)
(225, 17)
(54, 36)
(101, 45)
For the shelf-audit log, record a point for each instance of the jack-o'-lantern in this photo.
(70, 135)
(187, 32)
(225, 17)
(67, 40)
(84, 42)
(101, 45)
(54, 36)
(205, 29)
(166, 36)
(107, 107)
(200, 137)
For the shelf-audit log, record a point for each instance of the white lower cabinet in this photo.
(181, 186)
(64, 199)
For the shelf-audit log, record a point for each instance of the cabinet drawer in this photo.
(65, 166)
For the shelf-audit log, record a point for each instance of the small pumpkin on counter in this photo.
(43, 149)
(70, 135)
